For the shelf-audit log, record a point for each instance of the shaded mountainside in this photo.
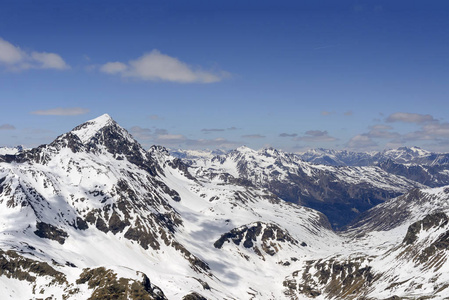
(341, 193)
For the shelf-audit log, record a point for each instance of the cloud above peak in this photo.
(155, 66)
(15, 59)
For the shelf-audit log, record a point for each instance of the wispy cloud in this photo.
(15, 59)
(316, 136)
(288, 134)
(210, 130)
(348, 113)
(207, 130)
(72, 111)
(410, 118)
(7, 127)
(155, 66)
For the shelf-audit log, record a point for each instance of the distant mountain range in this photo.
(329, 157)
(93, 215)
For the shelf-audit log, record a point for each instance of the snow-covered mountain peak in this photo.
(411, 151)
(103, 133)
(270, 152)
(88, 129)
(245, 149)
(11, 151)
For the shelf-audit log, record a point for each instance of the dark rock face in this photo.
(430, 221)
(106, 285)
(268, 235)
(13, 265)
(104, 282)
(51, 232)
(430, 255)
(193, 296)
(347, 279)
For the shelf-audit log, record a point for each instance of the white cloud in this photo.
(16, 59)
(113, 67)
(72, 111)
(9, 54)
(49, 61)
(410, 118)
(155, 66)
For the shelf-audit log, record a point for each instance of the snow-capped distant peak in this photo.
(11, 151)
(270, 151)
(88, 129)
(245, 149)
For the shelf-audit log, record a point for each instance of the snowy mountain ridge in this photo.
(354, 189)
(92, 215)
(402, 155)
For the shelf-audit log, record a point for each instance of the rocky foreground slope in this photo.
(93, 215)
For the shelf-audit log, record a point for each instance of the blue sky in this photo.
(359, 75)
